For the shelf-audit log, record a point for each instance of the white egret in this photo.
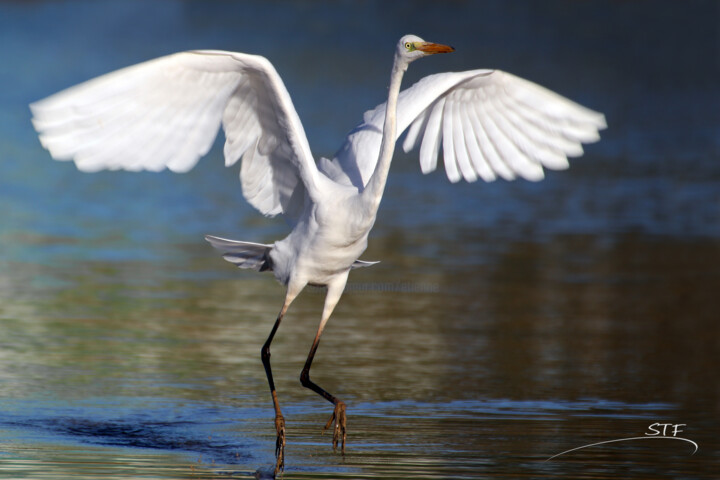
(165, 113)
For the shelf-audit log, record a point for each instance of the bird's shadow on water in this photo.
(151, 435)
(180, 437)
(165, 436)
(210, 437)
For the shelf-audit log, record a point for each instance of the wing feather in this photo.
(449, 157)
(459, 140)
(431, 139)
(490, 153)
(166, 113)
(533, 128)
(240, 116)
(489, 123)
(519, 162)
(535, 149)
(477, 158)
(413, 134)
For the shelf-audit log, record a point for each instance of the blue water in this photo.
(655, 171)
(506, 322)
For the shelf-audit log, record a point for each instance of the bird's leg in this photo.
(279, 420)
(338, 416)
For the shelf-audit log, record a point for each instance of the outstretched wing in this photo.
(165, 113)
(490, 123)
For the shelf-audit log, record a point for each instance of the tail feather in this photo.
(243, 254)
(362, 263)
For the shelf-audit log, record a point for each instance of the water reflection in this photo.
(445, 383)
(558, 314)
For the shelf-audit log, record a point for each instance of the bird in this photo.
(166, 113)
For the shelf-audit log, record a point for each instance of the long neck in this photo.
(376, 185)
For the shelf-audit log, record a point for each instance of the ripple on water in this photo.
(398, 439)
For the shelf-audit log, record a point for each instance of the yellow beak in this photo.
(432, 48)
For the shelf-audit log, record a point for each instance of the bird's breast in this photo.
(323, 244)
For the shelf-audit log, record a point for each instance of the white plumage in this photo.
(166, 113)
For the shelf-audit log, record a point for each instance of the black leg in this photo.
(279, 420)
(335, 289)
(338, 416)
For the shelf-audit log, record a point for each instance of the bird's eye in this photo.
(409, 46)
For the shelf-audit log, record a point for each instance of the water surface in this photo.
(506, 322)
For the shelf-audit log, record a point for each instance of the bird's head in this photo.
(412, 47)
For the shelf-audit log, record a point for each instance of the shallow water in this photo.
(505, 324)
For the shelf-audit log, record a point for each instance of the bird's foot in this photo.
(339, 430)
(280, 444)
